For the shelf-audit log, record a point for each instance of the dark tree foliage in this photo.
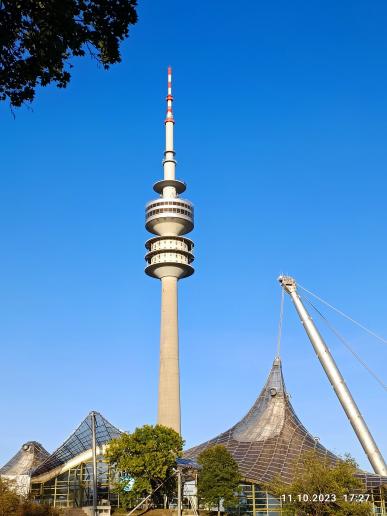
(9, 500)
(39, 38)
(314, 476)
(148, 457)
(13, 503)
(219, 478)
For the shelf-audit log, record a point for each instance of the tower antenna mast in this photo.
(169, 259)
(336, 379)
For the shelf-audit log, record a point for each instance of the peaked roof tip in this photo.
(79, 441)
(270, 438)
(29, 457)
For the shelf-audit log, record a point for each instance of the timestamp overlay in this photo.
(325, 497)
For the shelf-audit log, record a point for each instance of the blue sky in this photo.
(281, 126)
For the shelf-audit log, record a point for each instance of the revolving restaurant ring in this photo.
(178, 211)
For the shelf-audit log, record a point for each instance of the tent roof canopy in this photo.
(30, 455)
(79, 441)
(270, 439)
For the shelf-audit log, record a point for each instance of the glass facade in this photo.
(255, 501)
(74, 488)
(379, 499)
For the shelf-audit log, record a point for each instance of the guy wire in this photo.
(280, 323)
(344, 315)
(346, 344)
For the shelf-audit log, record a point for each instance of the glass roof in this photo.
(79, 441)
(187, 463)
(30, 455)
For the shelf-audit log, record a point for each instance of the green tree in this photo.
(14, 504)
(9, 500)
(146, 458)
(314, 476)
(219, 478)
(39, 38)
(31, 508)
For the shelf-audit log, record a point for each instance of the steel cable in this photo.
(280, 323)
(344, 315)
(346, 344)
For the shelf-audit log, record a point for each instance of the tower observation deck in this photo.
(169, 258)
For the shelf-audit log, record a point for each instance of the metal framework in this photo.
(28, 458)
(76, 474)
(80, 440)
(75, 487)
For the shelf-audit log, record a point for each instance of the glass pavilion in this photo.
(265, 443)
(268, 441)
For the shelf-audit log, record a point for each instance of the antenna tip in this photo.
(169, 70)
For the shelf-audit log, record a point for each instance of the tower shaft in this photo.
(169, 384)
(169, 259)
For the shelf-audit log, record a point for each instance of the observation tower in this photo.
(169, 259)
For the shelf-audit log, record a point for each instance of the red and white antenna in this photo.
(169, 155)
(169, 117)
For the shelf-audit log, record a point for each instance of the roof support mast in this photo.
(336, 379)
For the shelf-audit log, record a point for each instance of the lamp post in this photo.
(178, 491)
(94, 455)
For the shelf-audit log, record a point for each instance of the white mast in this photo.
(169, 258)
(336, 379)
(169, 161)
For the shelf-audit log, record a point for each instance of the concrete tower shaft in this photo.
(169, 258)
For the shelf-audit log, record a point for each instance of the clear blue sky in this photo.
(281, 137)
